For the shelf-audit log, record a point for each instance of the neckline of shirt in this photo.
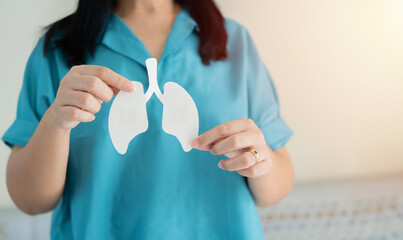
(118, 36)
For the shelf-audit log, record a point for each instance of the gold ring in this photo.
(256, 154)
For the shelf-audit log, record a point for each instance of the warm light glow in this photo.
(394, 14)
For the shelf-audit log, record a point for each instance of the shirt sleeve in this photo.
(36, 95)
(264, 108)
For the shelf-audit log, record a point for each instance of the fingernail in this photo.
(220, 164)
(129, 86)
(93, 117)
(195, 143)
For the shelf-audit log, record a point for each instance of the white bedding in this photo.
(359, 209)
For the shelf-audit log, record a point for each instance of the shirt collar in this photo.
(120, 38)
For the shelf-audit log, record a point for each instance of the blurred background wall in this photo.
(337, 66)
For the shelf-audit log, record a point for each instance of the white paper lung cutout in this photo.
(128, 114)
(127, 117)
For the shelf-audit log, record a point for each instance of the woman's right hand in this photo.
(82, 91)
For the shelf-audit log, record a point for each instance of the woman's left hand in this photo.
(233, 139)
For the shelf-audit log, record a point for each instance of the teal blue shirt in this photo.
(156, 190)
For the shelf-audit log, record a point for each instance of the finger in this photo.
(115, 90)
(83, 100)
(93, 85)
(242, 161)
(108, 76)
(236, 142)
(257, 170)
(222, 131)
(234, 153)
(73, 114)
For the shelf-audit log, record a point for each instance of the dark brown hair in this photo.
(80, 31)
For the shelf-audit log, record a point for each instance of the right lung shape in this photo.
(179, 117)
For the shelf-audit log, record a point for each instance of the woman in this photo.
(62, 157)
